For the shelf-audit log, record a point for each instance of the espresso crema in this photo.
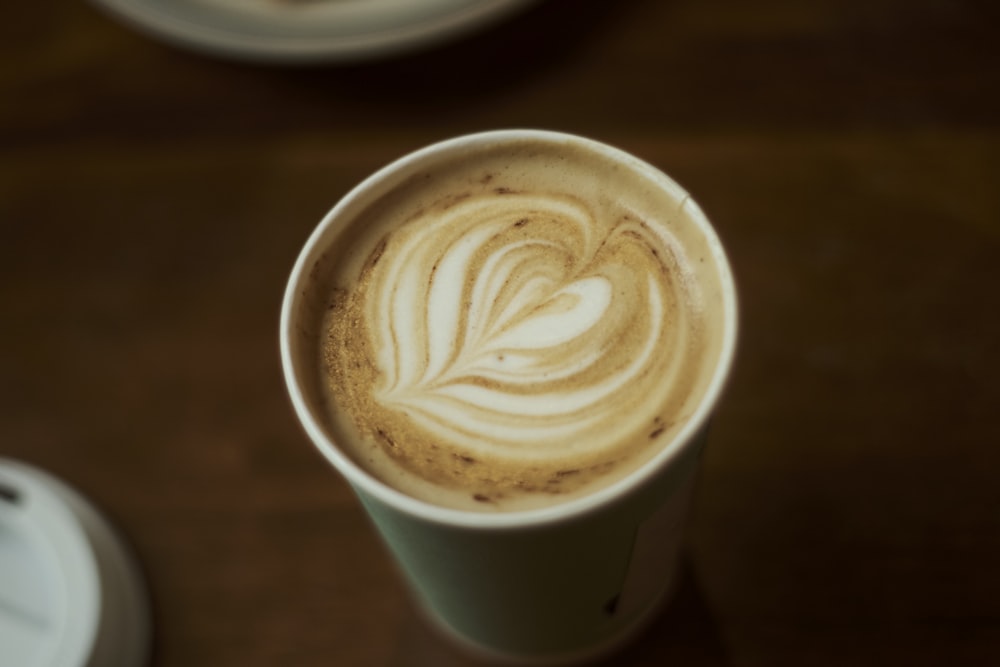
(514, 327)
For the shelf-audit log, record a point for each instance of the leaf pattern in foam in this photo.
(502, 319)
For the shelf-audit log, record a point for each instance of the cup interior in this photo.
(306, 299)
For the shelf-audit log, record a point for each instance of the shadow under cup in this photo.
(552, 585)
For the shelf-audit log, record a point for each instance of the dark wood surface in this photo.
(152, 202)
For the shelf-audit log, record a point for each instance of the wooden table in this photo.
(152, 202)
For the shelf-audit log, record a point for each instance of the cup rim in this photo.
(362, 480)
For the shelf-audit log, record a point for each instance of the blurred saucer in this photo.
(303, 31)
(70, 593)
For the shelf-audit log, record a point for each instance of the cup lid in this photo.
(71, 595)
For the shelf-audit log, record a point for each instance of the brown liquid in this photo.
(516, 327)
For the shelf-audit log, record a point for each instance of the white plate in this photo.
(301, 31)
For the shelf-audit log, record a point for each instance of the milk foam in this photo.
(502, 337)
(497, 340)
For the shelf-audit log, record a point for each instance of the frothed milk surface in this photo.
(516, 326)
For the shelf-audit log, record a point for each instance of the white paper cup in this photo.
(71, 591)
(546, 586)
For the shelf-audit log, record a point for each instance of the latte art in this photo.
(513, 325)
(501, 341)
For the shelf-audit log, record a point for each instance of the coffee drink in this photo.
(517, 325)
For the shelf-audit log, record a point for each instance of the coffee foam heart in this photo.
(500, 337)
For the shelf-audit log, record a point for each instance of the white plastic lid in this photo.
(70, 593)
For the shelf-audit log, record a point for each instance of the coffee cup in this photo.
(510, 345)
